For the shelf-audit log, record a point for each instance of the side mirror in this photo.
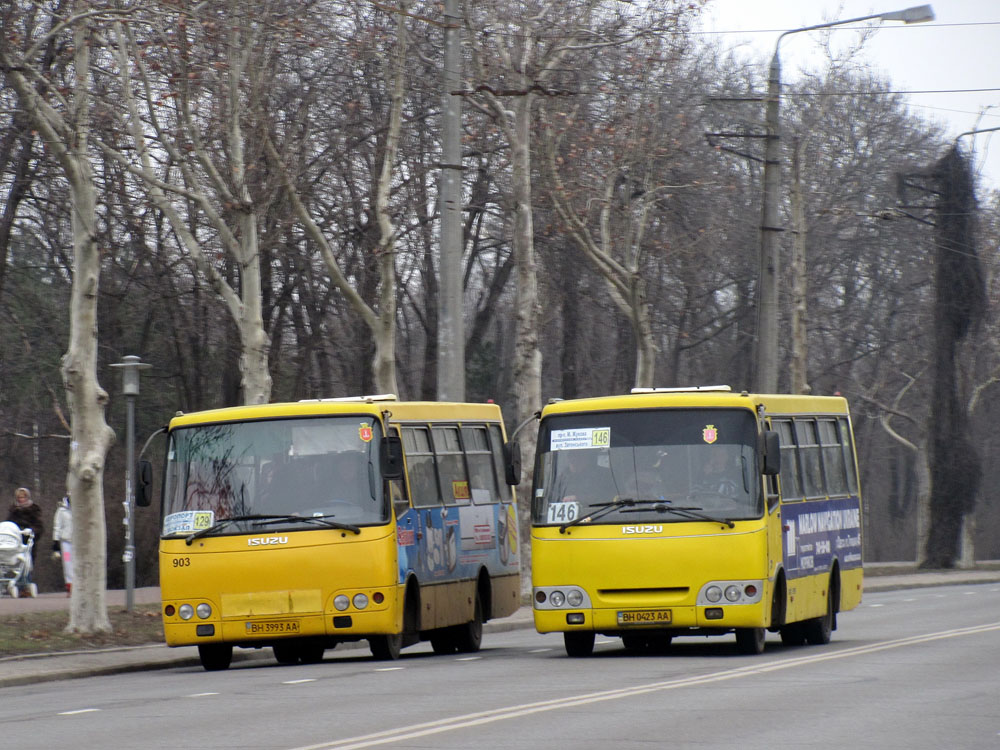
(512, 463)
(392, 457)
(143, 483)
(772, 453)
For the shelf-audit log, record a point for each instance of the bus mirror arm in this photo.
(772, 453)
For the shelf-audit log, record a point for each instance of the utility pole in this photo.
(451, 329)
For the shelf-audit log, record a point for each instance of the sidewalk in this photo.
(25, 670)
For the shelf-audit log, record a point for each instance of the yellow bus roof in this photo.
(774, 403)
(400, 411)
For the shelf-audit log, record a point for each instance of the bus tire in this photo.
(215, 657)
(469, 637)
(579, 642)
(386, 647)
(818, 630)
(750, 641)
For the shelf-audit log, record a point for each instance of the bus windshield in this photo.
(648, 465)
(274, 474)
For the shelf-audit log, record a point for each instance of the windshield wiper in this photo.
(262, 519)
(605, 508)
(318, 520)
(223, 523)
(691, 511)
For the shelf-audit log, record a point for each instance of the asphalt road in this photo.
(910, 668)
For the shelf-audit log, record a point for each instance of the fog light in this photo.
(574, 618)
(557, 598)
(204, 630)
(733, 593)
(186, 611)
(574, 598)
(360, 601)
(713, 594)
(341, 602)
(713, 613)
(204, 611)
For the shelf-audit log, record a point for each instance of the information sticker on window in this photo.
(580, 439)
(563, 512)
(187, 522)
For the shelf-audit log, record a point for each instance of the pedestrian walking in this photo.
(62, 541)
(27, 514)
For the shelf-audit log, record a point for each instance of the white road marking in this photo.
(513, 712)
(78, 711)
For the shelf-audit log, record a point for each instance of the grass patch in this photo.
(45, 632)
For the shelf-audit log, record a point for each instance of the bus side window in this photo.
(833, 458)
(451, 466)
(482, 479)
(420, 466)
(791, 486)
(809, 453)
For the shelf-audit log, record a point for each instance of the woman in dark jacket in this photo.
(28, 515)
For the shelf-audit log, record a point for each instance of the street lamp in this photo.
(130, 366)
(766, 363)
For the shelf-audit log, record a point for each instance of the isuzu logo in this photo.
(643, 529)
(260, 541)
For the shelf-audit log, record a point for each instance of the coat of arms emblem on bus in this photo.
(365, 432)
(710, 434)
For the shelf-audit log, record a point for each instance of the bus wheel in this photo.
(750, 641)
(286, 652)
(386, 647)
(469, 637)
(579, 643)
(215, 657)
(792, 635)
(817, 631)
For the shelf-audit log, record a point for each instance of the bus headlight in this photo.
(360, 601)
(186, 611)
(204, 610)
(557, 598)
(713, 594)
(341, 602)
(733, 593)
(560, 597)
(574, 598)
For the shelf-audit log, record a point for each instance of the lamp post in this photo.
(130, 366)
(766, 361)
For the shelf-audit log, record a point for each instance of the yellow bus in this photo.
(673, 512)
(298, 526)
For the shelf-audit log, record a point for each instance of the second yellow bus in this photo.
(666, 513)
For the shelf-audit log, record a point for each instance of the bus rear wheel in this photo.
(818, 630)
(469, 637)
(579, 643)
(215, 657)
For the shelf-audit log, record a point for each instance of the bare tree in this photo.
(63, 122)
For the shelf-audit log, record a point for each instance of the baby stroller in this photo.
(15, 560)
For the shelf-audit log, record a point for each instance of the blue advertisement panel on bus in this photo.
(451, 542)
(816, 532)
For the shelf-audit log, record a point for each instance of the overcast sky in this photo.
(955, 58)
